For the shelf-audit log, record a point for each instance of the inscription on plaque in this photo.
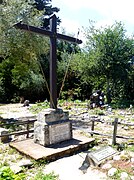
(59, 132)
(96, 157)
(102, 153)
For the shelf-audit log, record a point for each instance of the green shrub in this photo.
(7, 174)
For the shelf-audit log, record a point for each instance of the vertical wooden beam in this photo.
(53, 64)
(27, 129)
(92, 127)
(115, 131)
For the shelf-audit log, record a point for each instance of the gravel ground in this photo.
(68, 167)
(14, 111)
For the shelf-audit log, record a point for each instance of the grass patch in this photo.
(130, 148)
(41, 176)
(39, 106)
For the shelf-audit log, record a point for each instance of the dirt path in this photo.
(68, 169)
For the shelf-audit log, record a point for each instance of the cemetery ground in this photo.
(119, 166)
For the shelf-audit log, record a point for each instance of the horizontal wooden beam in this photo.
(37, 30)
(68, 38)
(33, 29)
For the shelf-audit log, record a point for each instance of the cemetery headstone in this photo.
(52, 126)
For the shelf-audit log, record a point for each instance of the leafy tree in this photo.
(110, 51)
(48, 10)
(20, 50)
(67, 80)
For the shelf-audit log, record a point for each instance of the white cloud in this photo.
(109, 10)
(116, 9)
(70, 26)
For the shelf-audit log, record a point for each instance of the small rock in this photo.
(124, 176)
(109, 141)
(126, 128)
(116, 158)
(26, 103)
(15, 168)
(131, 154)
(107, 166)
(132, 177)
(132, 159)
(122, 153)
(25, 162)
(112, 172)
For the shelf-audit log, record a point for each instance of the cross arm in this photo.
(37, 30)
(69, 38)
(26, 27)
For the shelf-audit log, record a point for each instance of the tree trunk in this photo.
(108, 95)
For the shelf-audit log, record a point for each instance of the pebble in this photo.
(116, 158)
(15, 168)
(124, 176)
(25, 162)
(112, 172)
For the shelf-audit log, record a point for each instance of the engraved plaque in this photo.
(96, 157)
(59, 132)
(103, 153)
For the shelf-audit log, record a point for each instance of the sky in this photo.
(76, 14)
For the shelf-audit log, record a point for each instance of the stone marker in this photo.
(97, 157)
(4, 139)
(52, 126)
(26, 103)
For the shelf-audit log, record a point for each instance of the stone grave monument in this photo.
(52, 126)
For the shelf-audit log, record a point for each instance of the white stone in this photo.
(124, 176)
(109, 141)
(132, 160)
(107, 166)
(112, 172)
(116, 158)
(15, 168)
(126, 128)
(122, 153)
(132, 177)
(25, 162)
(131, 154)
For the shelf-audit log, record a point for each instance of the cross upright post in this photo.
(53, 35)
(53, 63)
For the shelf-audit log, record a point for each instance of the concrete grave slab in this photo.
(54, 151)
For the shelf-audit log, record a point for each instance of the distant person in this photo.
(97, 99)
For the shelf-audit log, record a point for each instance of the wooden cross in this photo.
(53, 35)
